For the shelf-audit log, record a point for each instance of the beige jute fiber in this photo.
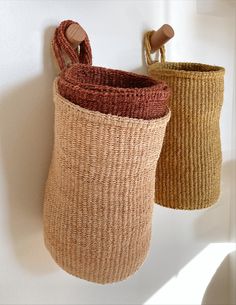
(100, 191)
(189, 168)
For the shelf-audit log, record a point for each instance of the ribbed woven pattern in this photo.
(114, 92)
(65, 54)
(189, 168)
(100, 191)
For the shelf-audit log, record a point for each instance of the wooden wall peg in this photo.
(75, 34)
(161, 36)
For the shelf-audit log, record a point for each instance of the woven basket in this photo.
(100, 189)
(189, 168)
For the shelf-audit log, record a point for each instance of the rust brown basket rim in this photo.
(153, 88)
(110, 118)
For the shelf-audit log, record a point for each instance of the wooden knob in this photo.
(75, 34)
(161, 36)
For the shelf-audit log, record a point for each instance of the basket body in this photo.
(100, 191)
(189, 168)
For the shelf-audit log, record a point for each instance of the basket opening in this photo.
(98, 76)
(191, 67)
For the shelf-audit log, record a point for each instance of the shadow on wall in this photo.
(172, 248)
(26, 134)
(211, 225)
(218, 290)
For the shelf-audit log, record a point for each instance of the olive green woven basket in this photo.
(189, 168)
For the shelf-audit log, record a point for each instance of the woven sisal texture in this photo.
(189, 168)
(114, 92)
(108, 91)
(100, 191)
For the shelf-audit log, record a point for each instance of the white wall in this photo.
(187, 247)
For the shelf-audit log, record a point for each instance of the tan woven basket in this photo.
(189, 168)
(100, 191)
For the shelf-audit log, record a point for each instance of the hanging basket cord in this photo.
(62, 47)
(147, 48)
